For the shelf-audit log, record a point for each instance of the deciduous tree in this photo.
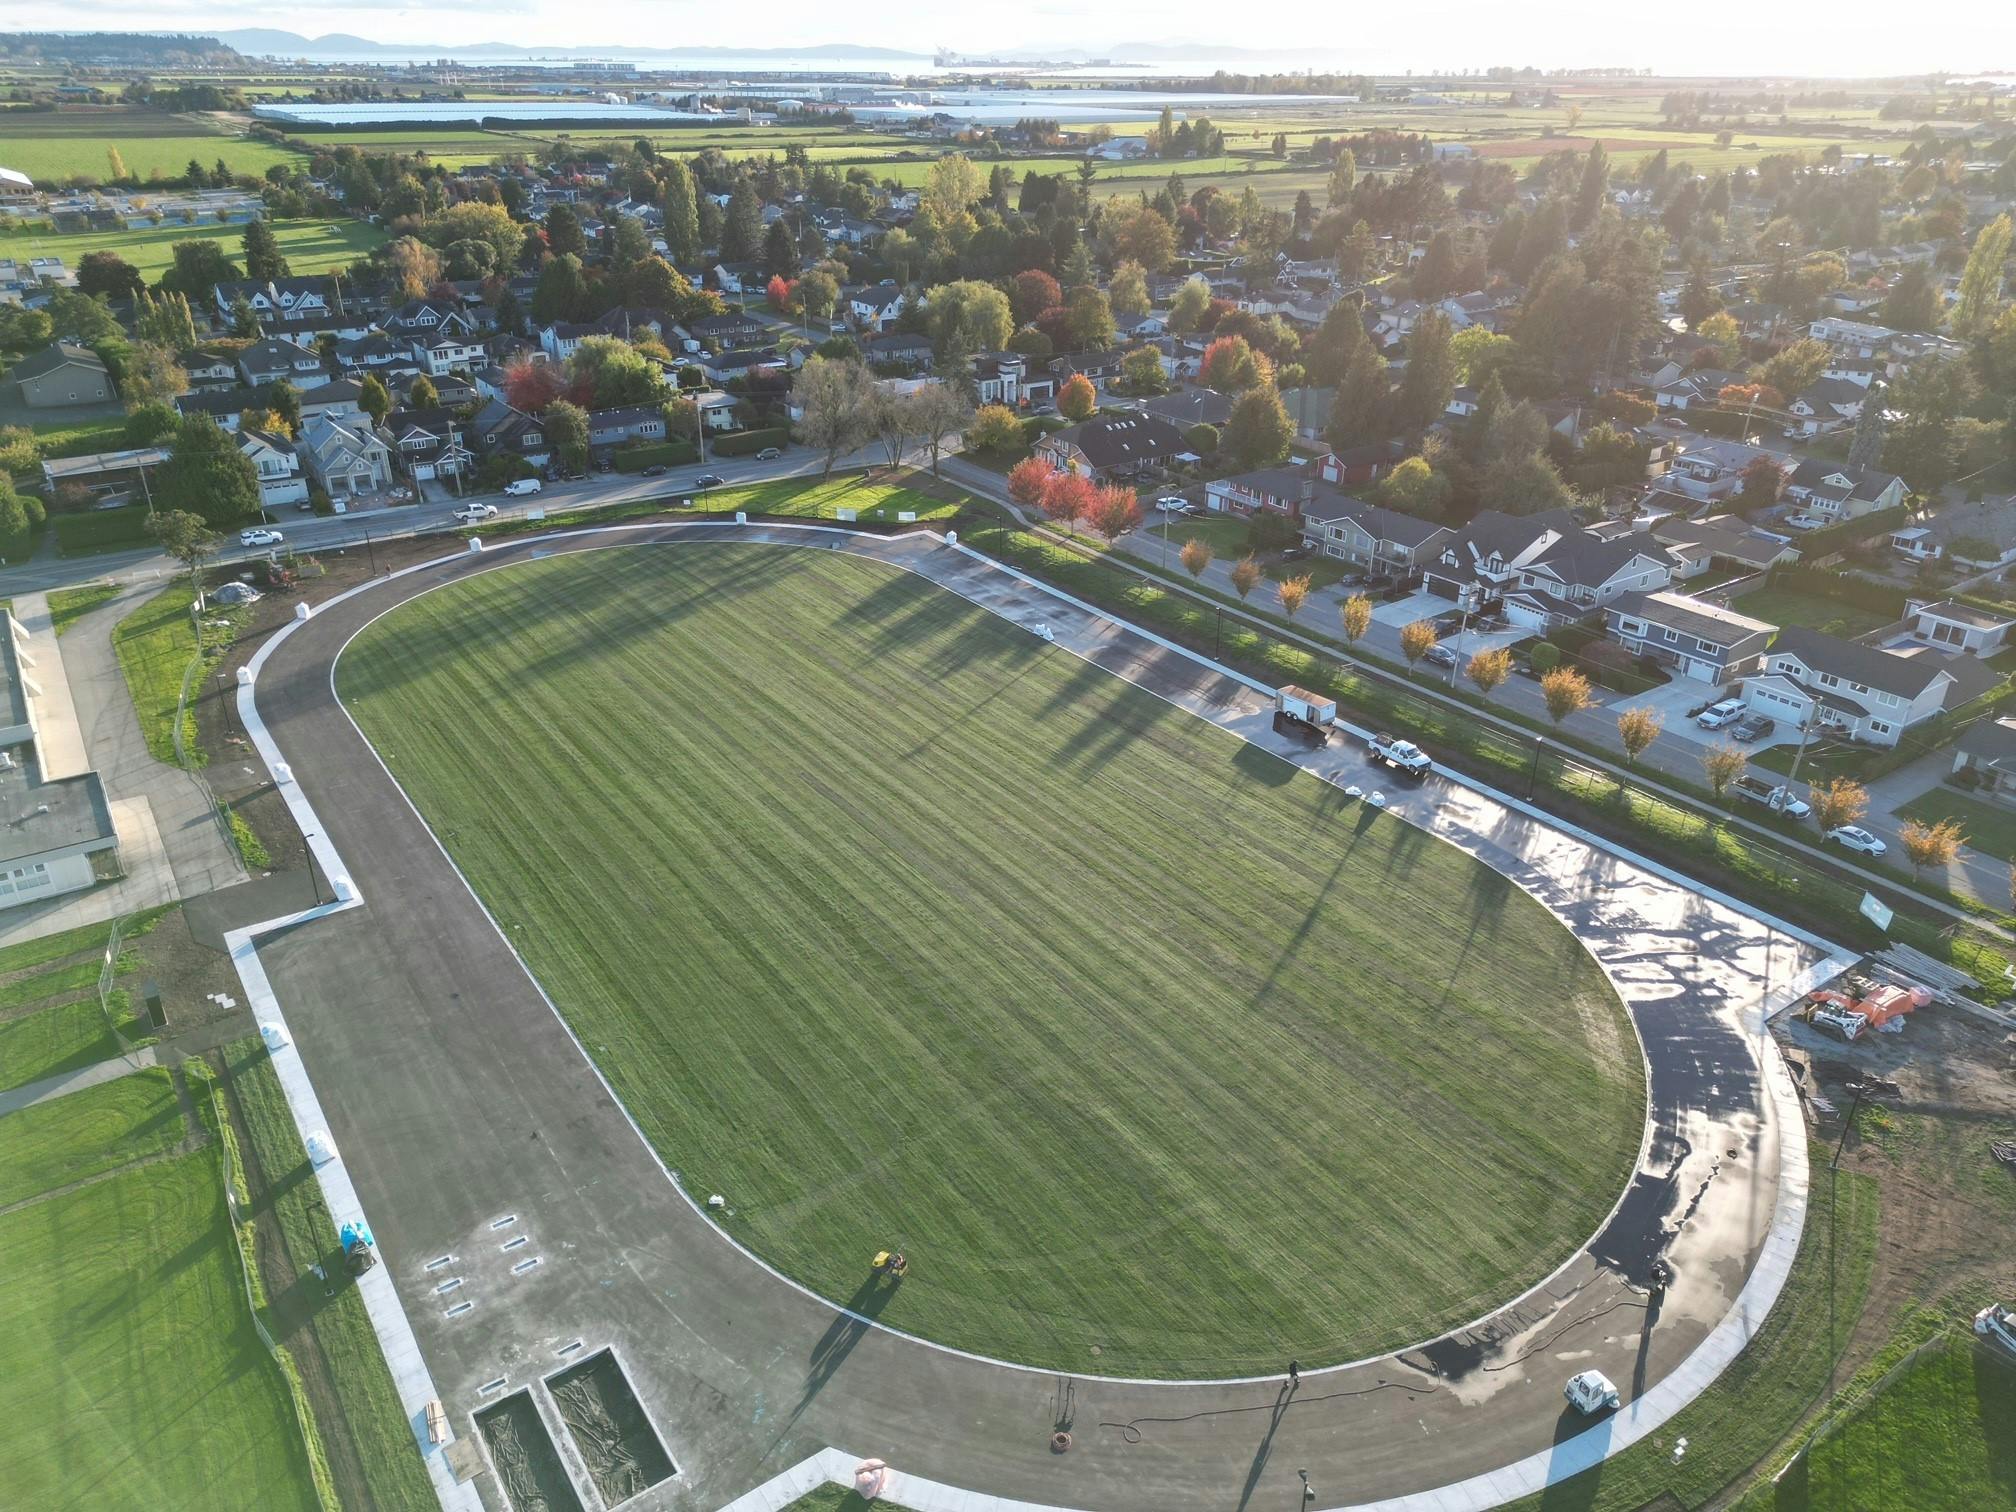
(1723, 764)
(567, 428)
(1565, 691)
(1116, 509)
(1259, 430)
(1838, 801)
(833, 396)
(1636, 730)
(1027, 479)
(1067, 498)
(1294, 593)
(183, 535)
(1195, 556)
(1245, 575)
(994, 429)
(1355, 615)
(1417, 639)
(1488, 669)
(1077, 400)
(1928, 845)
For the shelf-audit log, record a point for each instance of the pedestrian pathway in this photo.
(65, 1082)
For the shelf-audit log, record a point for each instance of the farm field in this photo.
(51, 146)
(130, 1374)
(311, 246)
(949, 974)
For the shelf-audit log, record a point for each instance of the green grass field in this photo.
(69, 605)
(893, 925)
(1788, 606)
(51, 147)
(129, 1372)
(87, 1133)
(1991, 828)
(55, 1039)
(311, 246)
(1938, 1438)
(155, 645)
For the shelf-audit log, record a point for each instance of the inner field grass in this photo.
(129, 1372)
(894, 925)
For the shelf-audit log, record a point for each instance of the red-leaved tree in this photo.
(1067, 496)
(1116, 509)
(531, 386)
(1027, 479)
(1034, 292)
(778, 292)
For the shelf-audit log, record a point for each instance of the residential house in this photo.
(561, 338)
(428, 443)
(62, 373)
(1951, 626)
(1099, 368)
(346, 456)
(723, 367)
(612, 427)
(422, 319)
(498, 428)
(1310, 409)
(900, 350)
(1719, 543)
(1827, 404)
(1987, 750)
(339, 398)
(273, 360)
(208, 370)
(1542, 570)
(1269, 490)
(1190, 406)
(1852, 338)
(278, 464)
(376, 352)
(1861, 371)
(1700, 389)
(1372, 538)
(222, 405)
(1705, 468)
(876, 307)
(1114, 446)
(1838, 491)
(448, 352)
(278, 297)
(1862, 692)
(741, 277)
(1357, 466)
(1980, 535)
(730, 329)
(1003, 378)
(1698, 639)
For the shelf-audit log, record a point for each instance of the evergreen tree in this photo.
(207, 475)
(780, 250)
(1871, 429)
(263, 257)
(564, 235)
(1595, 184)
(1431, 372)
(742, 228)
(374, 398)
(1358, 413)
(682, 214)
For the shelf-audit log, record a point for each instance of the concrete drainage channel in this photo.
(601, 1419)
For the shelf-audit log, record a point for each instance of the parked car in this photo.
(1591, 1392)
(656, 470)
(1720, 715)
(1172, 503)
(519, 487)
(1439, 656)
(769, 454)
(1753, 727)
(470, 514)
(706, 481)
(1804, 521)
(259, 535)
(1853, 837)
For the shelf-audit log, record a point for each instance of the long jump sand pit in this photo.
(521, 1451)
(610, 1429)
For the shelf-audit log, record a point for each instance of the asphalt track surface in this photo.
(458, 1097)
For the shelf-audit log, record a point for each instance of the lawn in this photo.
(86, 1133)
(93, 531)
(156, 644)
(853, 970)
(56, 1039)
(69, 605)
(1788, 606)
(1991, 829)
(1937, 1439)
(311, 246)
(372, 1444)
(129, 1372)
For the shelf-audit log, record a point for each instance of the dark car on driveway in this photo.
(1753, 727)
(708, 480)
(1439, 656)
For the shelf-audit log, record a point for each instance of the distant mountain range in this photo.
(263, 42)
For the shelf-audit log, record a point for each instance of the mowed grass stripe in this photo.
(129, 1372)
(893, 924)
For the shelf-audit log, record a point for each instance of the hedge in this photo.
(100, 529)
(1832, 538)
(748, 443)
(664, 454)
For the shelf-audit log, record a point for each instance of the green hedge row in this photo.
(748, 443)
(100, 529)
(664, 454)
(1849, 532)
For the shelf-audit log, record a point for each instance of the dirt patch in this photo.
(610, 1429)
(1937, 1098)
(521, 1451)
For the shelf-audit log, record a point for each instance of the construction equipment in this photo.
(1881, 1007)
(891, 1263)
(359, 1250)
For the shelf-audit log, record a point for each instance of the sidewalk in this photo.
(64, 1083)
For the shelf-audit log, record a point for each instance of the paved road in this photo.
(458, 1099)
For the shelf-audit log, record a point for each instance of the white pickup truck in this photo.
(1403, 756)
(476, 514)
(1777, 797)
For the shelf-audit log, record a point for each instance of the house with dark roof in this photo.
(62, 373)
(1841, 491)
(278, 297)
(1866, 693)
(278, 465)
(222, 405)
(208, 370)
(1191, 406)
(1987, 750)
(274, 360)
(630, 422)
(427, 443)
(1728, 542)
(1697, 639)
(1370, 537)
(1542, 570)
(497, 427)
(900, 350)
(1980, 534)
(731, 328)
(1827, 404)
(1267, 490)
(1114, 446)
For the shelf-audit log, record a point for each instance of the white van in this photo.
(519, 487)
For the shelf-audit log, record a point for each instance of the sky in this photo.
(1850, 38)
